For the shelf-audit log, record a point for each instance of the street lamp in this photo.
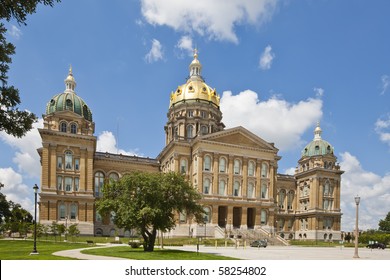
(35, 252)
(357, 201)
(66, 229)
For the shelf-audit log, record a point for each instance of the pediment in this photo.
(239, 136)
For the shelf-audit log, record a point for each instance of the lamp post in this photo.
(357, 201)
(66, 229)
(35, 252)
(205, 223)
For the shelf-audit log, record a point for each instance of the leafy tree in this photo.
(54, 229)
(73, 231)
(12, 120)
(148, 202)
(61, 230)
(384, 225)
(5, 211)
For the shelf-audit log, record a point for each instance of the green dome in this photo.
(69, 100)
(317, 147)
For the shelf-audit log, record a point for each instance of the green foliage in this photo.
(54, 229)
(384, 225)
(73, 231)
(375, 236)
(148, 202)
(12, 120)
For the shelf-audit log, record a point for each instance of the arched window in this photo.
(183, 166)
(237, 167)
(68, 160)
(206, 186)
(281, 197)
(73, 211)
(264, 190)
(251, 190)
(263, 217)
(62, 212)
(176, 132)
(63, 127)
(73, 128)
(222, 187)
(222, 165)
(236, 188)
(251, 168)
(99, 181)
(113, 176)
(190, 131)
(204, 129)
(68, 104)
(264, 170)
(207, 163)
(99, 232)
(290, 199)
(207, 215)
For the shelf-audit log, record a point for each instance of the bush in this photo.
(134, 244)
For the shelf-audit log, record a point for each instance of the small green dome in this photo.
(69, 101)
(317, 147)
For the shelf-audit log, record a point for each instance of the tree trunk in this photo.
(149, 240)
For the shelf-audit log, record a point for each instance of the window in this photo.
(183, 216)
(206, 186)
(290, 198)
(59, 183)
(190, 131)
(203, 114)
(99, 180)
(281, 197)
(113, 176)
(68, 160)
(63, 127)
(237, 167)
(73, 128)
(207, 163)
(306, 190)
(222, 188)
(251, 190)
(251, 168)
(73, 211)
(264, 191)
(190, 113)
(176, 133)
(236, 189)
(264, 170)
(98, 217)
(68, 104)
(204, 130)
(263, 217)
(183, 166)
(62, 212)
(222, 165)
(207, 214)
(76, 184)
(68, 184)
(59, 162)
(77, 164)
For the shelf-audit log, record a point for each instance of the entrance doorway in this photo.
(222, 216)
(237, 212)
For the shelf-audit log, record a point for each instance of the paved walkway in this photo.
(269, 253)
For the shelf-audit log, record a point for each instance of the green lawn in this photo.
(158, 254)
(21, 249)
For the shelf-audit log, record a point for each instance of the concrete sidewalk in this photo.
(269, 253)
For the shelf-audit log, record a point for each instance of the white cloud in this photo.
(275, 120)
(15, 32)
(185, 45)
(382, 128)
(26, 155)
(266, 58)
(106, 142)
(319, 91)
(385, 83)
(373, 189)
(213, 19)
(15, 189)
(155, 53)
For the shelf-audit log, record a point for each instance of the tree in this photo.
(73, 231)
(12, 120)
(148, 202)
(384, 225)
(54, 229)
(5, 211)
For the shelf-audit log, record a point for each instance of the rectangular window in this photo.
(68, 184)
(59, 162)
(73, 211)
(59, 183)
(76, 184)
(77, 164)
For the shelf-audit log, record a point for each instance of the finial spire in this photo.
(70, 83)
(317, 132)
(195, 67)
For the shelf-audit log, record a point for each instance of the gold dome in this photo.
(195, 89)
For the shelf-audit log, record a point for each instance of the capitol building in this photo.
(235, 170)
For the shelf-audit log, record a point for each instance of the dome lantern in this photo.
(70, 82)
(317, 147)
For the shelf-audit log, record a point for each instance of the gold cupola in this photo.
(195, 89)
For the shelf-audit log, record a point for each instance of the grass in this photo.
(157, 254)
(21, 249)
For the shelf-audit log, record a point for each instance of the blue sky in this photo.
(280, 66)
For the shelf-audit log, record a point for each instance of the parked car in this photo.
(259, 243)
(376, 246)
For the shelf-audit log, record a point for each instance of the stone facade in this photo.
(235, 170)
